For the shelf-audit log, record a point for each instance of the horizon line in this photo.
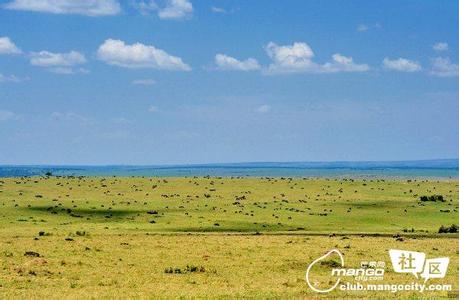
(231, 163)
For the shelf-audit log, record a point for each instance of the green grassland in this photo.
(116, 237)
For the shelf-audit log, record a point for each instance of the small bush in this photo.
(7, 254)
(433, 198)
(32, 254)
(193, 269)
(330, 263)
(451, 229)
(188, 269)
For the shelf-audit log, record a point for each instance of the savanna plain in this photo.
(213, 237)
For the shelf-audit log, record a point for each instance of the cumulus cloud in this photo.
(441, 46)
(91, 8)
(443, 67)
(341, 63)
(144, 82)
(290, 58)
(176, 9)
(145, 7)
(117, 53)
(401, 65)
(50, 59)
(171, 10)
(8, 47)
(61, 63)
(225, 62)
(297, 58)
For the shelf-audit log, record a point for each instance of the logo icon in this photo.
(416, 263)
(407, 261)
(317, 261)
(403, 261)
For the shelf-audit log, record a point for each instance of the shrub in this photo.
(433, 198)
(32, 253)
(330, 263)
(193, 269)
(451, 229)
(188, 269)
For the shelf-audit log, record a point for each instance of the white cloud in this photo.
(290, 59)
(91, 8)
(117, 53)
(122, 121)
(176, 9)
(6, 115)
(440, 46)
(172, 10)
(61, 63)
(69, 71)
(153, 109)
(50, 59)
(263, 109)
(145, 7)
(401, 65)
(297, 58)
(144, 82)
(341, 63)
(8, 47)
(362, 27)
(225, 62)
(366, 27)
(443, 67)
(10, 78)
(218, 10)
(70, 117)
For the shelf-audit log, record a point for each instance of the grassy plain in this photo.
(248, 237)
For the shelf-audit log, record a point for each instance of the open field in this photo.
(247, 237)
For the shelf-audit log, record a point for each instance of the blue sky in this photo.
(183, 81)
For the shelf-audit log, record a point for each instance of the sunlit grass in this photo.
(249, 237)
